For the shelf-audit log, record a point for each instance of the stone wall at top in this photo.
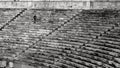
(48, 4)
(109, 4)
(61, 4)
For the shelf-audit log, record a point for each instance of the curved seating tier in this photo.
(78, 40)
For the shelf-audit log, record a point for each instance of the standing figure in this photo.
(34, 18)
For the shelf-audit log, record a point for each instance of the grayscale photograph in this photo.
(59, 33)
